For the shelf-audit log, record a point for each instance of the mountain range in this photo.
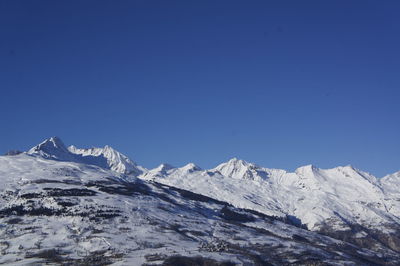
(74, 206)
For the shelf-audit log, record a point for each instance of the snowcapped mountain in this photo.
(52, 148)
(341, 199)
(311, 194)
(115, 161)
(240, 169)
(97, 201)
(106, 157)
(391, 185)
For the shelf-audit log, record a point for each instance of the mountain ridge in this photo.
(96, 150)
(344, 203)
(62, 212)
(313, 195)
(107, 157)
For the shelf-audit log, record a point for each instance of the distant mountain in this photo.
(312, 215)
(340, 201)
(116, 161)
(106, 157)
(67, 213)
(52, 148)
(240, 169)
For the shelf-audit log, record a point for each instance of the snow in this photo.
(156, 219)
(116, 161)
(240, 169)
(106, 157)
(147, 225)
(310, 194)
(342, 194)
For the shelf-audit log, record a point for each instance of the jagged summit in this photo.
(340, 196)
(116, 161)
(52, 212)
(50, 144)
(107, 157)
(190, 167)
(52, 148)
(236, 168)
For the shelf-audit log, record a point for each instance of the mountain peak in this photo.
(114, 160)
(306, 169)
(237, 168)
(190, 167)
(236, 160)
(351, 172)
(164, 167)
(51, 148)
(53, 142)
(107, 157)
(348, 167)
(108, 148)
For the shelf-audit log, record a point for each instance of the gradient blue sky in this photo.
(278, 83)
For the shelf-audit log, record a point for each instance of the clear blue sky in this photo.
(278, 83)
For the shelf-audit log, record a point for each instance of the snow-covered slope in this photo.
(391, 186)
(115, 161)
(341, 195)
(342, 202)
(52, 148)
(69, 213)
(106, 157)
(325, 200)
(240, 169)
